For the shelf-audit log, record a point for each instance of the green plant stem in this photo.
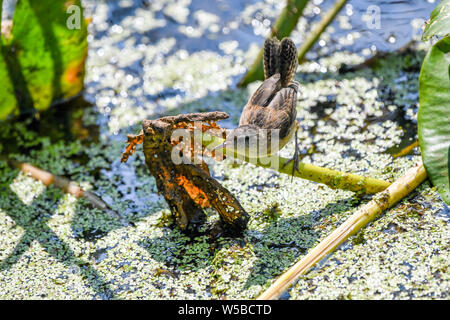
(332, 178)
(283, 27)
(319, 29)
(381, 202)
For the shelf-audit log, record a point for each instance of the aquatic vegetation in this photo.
(439, 23)
(42, 60)
(352, 119)
(433, 125)
(434, 97)
(380, 203)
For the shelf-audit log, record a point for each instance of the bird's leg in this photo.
(295, 159)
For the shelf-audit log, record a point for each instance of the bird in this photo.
(269, 119)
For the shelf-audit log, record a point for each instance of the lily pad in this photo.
(43, 58)
(434, 115)
(439, 23)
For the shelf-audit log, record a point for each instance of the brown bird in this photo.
(269, 119)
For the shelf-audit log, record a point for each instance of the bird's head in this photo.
(248, 141)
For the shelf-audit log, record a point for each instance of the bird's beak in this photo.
(220, 146)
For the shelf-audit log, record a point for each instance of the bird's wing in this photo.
(285, 98)
(268, 106)
(252, 115)
(281, 112)
(266, 91)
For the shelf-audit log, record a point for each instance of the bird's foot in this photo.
(295, 159)
(296, 166)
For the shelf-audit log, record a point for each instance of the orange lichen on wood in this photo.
(196, 194)
(133, 141)
(198, 150)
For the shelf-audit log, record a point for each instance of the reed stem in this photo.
(381, 202)
(332, 178)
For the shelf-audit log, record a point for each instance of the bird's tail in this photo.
(271, 57)
(288, 61)
(280, 57)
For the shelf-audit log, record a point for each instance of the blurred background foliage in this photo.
(43, 53)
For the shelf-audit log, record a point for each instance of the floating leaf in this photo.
(439, 23)
(44, 57)
(434, 115)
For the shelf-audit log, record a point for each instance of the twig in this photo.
(283, 27)
(407, 150)
(332, 178)
(62, 183)
(381, 202)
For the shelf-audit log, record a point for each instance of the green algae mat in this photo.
(56, 246)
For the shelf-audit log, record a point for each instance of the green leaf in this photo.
(439, 23)
(434, 115)
(8, 102)
(43, 58)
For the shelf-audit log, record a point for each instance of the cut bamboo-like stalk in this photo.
(332, 178)
(382, 201)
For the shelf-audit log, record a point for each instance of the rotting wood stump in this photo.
(187, 186)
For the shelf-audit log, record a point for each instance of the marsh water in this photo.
(132, 39)
(151, 58)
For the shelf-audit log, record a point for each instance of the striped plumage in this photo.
(273, 105)
(280, 57)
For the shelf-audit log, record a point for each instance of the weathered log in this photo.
(187, 187)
